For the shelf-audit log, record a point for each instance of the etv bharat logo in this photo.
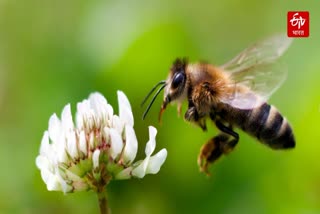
(298, 24)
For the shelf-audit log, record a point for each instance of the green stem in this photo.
(103, 202)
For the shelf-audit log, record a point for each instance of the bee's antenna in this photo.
(153, 99)
(151, 91)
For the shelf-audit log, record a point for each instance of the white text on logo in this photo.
(297, 21)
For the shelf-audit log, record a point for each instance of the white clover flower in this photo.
(99, 147)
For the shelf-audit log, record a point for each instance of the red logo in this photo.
(298, 24)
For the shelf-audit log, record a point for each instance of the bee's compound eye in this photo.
(177, 80)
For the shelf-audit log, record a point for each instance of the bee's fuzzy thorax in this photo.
(209, 84)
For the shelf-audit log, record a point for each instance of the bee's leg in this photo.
(228, 145)
(192, 115)
(223, 143)
(202, 124)
(211, 151)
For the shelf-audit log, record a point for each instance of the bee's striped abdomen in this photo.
(277, 132)
(265, 123)
(268, 125)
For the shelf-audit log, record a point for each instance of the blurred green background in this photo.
(56, 52)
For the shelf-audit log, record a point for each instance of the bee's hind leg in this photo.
(210, 152)
(228, 145)
(218, 145)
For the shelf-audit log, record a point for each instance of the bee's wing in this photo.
(256, 73)
(263, 52)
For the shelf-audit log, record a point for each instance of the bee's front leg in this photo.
(192, 115)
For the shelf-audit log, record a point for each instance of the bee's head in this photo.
(174, 87)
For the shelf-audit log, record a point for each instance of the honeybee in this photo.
(232, 95)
